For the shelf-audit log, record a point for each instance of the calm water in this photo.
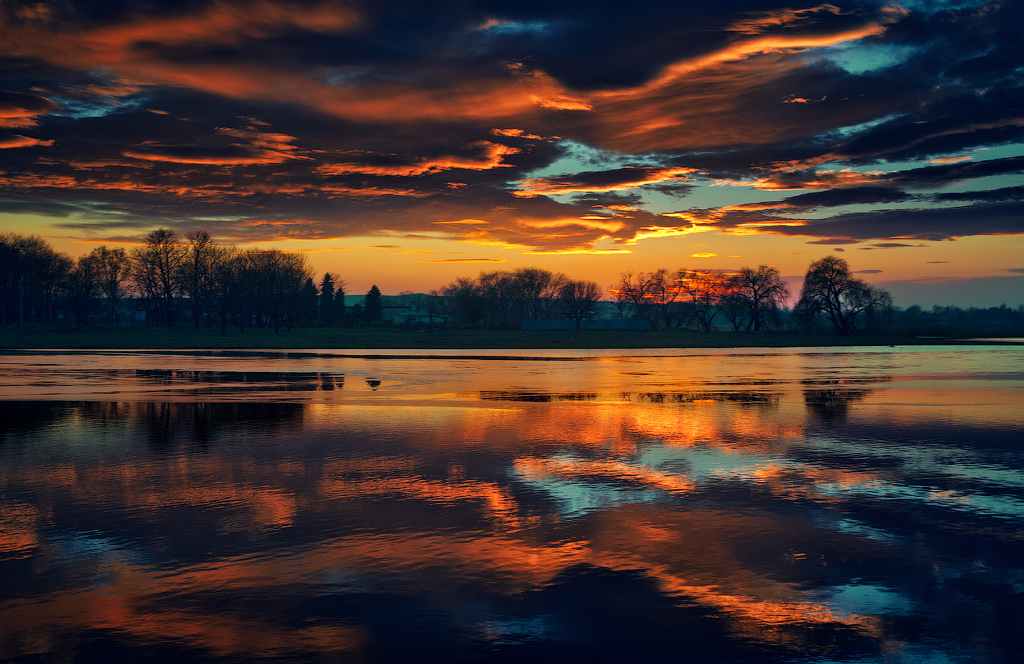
(805, 505)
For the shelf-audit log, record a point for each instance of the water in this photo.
(803, 505)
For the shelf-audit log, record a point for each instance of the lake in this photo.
(809, 505)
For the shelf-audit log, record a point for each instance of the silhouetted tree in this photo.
(80, 288)
(579, 300)
(32, 276)
(307, 304)
(226, 291)
(373, 307)
(704, 291)
(328, 309)
(155, 271)
(633, 295)
(278, 278)
(465, 300)
(830, 289)
(339, 301)
(761, 293)
(112, 272)
(196, 273)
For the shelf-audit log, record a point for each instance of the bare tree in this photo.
(276, 280)
(761, 292)
(81, 287)
(112, 272)
(197, 272)
(535, 290)
(465, 300)
(829, 288)
(155, 269)
(633, 295)
(32, 275)
(579, 300)
(704, 291)
(663, 291)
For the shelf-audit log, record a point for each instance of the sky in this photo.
(405, 144)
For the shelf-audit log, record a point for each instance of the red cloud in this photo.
(253, 146)
(565, 185)
(16, 141)
(492, 156)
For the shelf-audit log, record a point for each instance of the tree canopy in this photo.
(831, 290)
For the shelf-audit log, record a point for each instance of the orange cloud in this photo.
(818, 180)
(516, 133)
(600, 223)
(369, 192)
(16, 141)
(20, 110)
(493, 154)
(468, 260)
(210, 160)
(253, 146)
(219, 23)
(761, 21)
(555, 185)
(950, 160)
(743, 49)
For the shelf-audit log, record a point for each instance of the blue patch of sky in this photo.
(976, 155)
(581, 158)
(850, 131)
(517, 27)
(932, 6)
(343, 78)
(707, 194)
(861, 58)
(97, 107)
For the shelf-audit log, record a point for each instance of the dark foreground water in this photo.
(806, 505)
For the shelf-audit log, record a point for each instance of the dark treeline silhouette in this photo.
(167, 280)
(504, 299)
(172, 279)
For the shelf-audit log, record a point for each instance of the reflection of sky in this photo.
(425, 499)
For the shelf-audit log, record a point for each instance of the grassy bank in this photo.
(189, 337)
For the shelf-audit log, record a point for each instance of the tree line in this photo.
(171, 278)
(190, 278)
(749, 300)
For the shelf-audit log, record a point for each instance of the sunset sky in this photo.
(407, 143)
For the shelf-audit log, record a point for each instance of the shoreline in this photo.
(182, 338)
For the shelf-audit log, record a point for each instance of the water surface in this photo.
(800, 505)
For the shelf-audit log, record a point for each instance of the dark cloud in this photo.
(918, 224)
(324, 119)
(991, 195)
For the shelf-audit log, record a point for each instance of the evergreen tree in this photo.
(327, 316)
(339, 301)
(373, 306)
(307, 308)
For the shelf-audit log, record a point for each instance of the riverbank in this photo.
(256, 339)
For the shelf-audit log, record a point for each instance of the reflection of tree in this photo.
(18, 418)
(833, 404)
(170, 426)
(512, 395)
(748, 397)
(167, 424)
